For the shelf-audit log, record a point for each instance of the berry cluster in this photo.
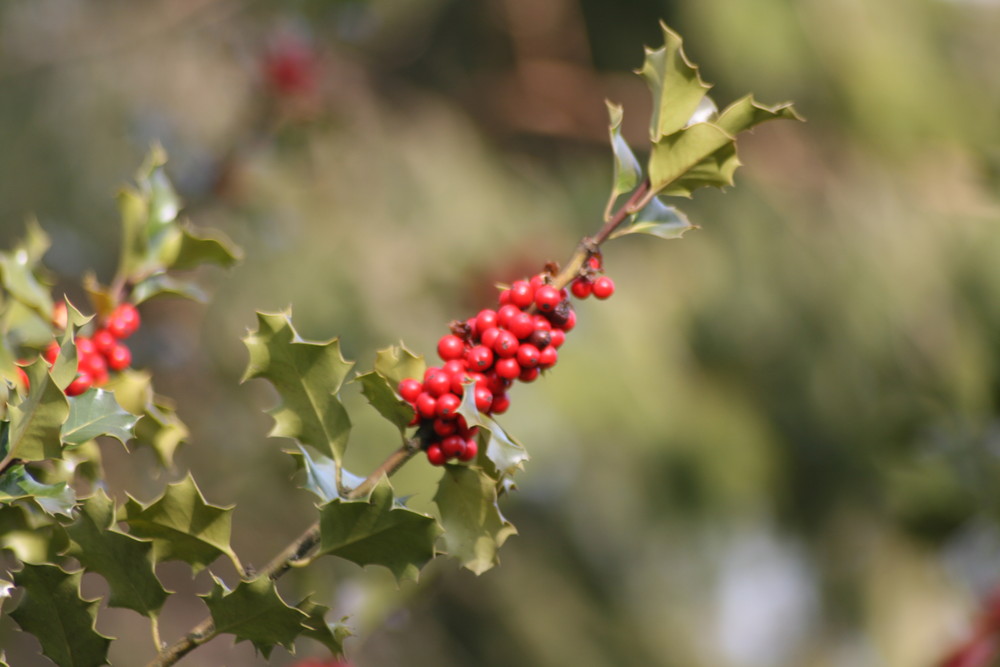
(102, 352)
(517, 341)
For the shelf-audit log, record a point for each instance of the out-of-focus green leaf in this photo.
(183, 526)
(36, 422)
(197, 248)
(383, 397)
(745, 113)
(53, 611)
(505, 454)
(675, 84)
(158, 427)
(125, 562)
(254, 612)
(474, 529)
(32, 536)
(396, 363)
(657, 219)
(16, 483)
(100, 296)
(627, 172)
(377, 532)
(97, 413)
(162, 284)
(18, 269)
(308, 377)
(316, 627)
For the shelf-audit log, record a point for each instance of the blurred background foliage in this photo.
(776, 445)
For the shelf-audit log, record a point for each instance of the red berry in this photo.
(484, 320)
(479, 358)
(447, 405)
(505, 344)
(604, 287)
(437, 383)
(521, 325)
(548, 357)
(594, 262)
(426, 405)
(452, 446)
(51, 352)
(570, 321)
(94, 364)
(508, 368)
(547, 298)
(541, 338)
(542, 322)
(470, 451)
(527, 355)
(528, 375)
(537, 280)
(103, 341)
(23, 377)
(119, 358)
(450, 347)
(84, 347)
(504, 297)
(484, 398)
(506, 313)
(454, 366)
(500, 404)
(581, 288)
(409, 389)
(489, 336)
(558, 337)
(522, 294)
(496, 384)
(435, 455)
(80, 384)
(123, 321)
(445, 427)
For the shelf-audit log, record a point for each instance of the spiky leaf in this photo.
(63, 622)
(162, 284)
(322, 475)
(627, 172)
(474, 529)
(657, 219)
(308, 376)
(97, 413)
(382, 396)
(675, 84)
(376, 531)
(18, 268)
(183, 526)
(254, 612)
(505, 454)
(125, 562)
(331, 636)
(198, 247)
(16, 483)
(396, 363)
(36, 422)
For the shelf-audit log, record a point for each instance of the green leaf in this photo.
(745, 113)
(162, 284)
(158, 426)
(183, 526)
(657, 219)
(308, 376)
(198, 247)
(503, 452)
(36, 422)
(32, 537)
(63, 622)
(474, 529)
(17, 272)
(383, 397)
(376, 532)
(97, 413)
(396, 363)
(255, 612)
(627, 171)
(321, 475)
(16, 483)
(674, 159)
(125, 562)
(316, 627)
(675, 84)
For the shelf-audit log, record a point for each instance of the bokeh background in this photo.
(776, 445)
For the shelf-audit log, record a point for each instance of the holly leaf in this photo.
(316, 627)
(198, 247)
(383, 397)
(53, 611)
(675, 84)
(745, 113)
(125, 562)
(254, 612)
(17, 272)
(702, 154)
(96, 413)
(36, 422)
(627, 171)
(158, 427)
(183, 526)
(474, 529)
(376, 531)
(322, 475)
(505, 454)
(396, 363)
(308, 376)
(16, 483)
(657, 219)
(31, 537)
(162, 284)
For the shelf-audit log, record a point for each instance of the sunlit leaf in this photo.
(18, 269)
(383, 397)
(474, 529)
(162, 284)
(125, 562)
(396, 363)
(97, 413)
(198, 248)
(321, 475)
(745, 113)
(36, 422)
(657, 219)
(183, 526)
(308, 377)
(254, 612)
(378, 532)
(16, 483)
(675, 84)
(627, 172)
(673, 157)
(53, 611)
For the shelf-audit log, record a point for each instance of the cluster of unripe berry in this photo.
(100, 353)
(488, 352)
